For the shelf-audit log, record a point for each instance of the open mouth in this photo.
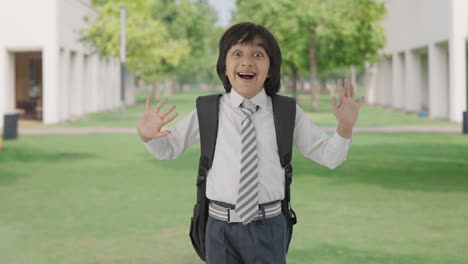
(246, 75)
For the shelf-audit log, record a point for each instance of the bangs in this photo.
(245, 34)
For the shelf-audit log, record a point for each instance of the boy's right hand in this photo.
(150, 124)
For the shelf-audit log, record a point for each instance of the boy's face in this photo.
(247, 67)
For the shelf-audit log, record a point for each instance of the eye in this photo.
(236, 53)
(258, 54)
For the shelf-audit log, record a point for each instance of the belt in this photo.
(226, 212)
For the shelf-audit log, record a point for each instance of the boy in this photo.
(246, 171)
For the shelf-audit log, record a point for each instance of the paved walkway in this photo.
(131, 130)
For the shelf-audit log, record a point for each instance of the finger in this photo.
(158, 106)
(347, 89)
(148, 102)
(340, 89)
(334, 105)
(165, 113)
(362, 101)
(164, 133)
(170, 118)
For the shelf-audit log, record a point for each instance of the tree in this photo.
(276, 17)
(149, 46)
(330, 34)
(168, 40)
(195, 22)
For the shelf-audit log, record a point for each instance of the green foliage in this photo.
(164, 37)
(195, 22)
(344, 32)
(350, 35)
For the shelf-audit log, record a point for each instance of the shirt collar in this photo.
(260, 99)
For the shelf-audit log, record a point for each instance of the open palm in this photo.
(347, 111)
(150, 124)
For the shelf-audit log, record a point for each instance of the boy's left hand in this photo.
(347, 111)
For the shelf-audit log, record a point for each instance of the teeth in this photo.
(247, 73)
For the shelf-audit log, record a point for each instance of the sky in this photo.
(224, 8)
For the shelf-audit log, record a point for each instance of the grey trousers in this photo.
(259, 242)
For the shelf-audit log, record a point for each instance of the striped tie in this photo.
(247, 199)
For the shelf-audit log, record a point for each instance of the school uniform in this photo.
(263, 240)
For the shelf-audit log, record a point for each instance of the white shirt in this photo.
(223, 177)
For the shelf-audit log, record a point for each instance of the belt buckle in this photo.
(233, 217)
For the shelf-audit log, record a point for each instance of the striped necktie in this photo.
(247, 199)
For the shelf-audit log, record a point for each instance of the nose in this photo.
(247, 62)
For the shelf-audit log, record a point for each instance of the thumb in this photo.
(165, 133)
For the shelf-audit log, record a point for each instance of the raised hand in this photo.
(150, 124)
(347, 111)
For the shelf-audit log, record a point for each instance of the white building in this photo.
(46, 73)
(424, 65)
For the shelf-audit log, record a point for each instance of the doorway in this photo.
(28, 85)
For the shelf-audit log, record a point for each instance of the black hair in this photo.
(244, 33)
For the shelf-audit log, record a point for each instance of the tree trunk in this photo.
(353, 78)
(168, 87)
(293, 81)
(155, 91)
(178, 87)
(314, 88)
(323, 87)
(294, 84)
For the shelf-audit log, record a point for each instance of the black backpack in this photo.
(284, 111)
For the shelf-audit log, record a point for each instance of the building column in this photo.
(457, 60)
(64, 106)
(51, 84)
(424, 80)
(7, 83)
(86, 94)
(102, 99)
(387, 85)
(78, 84)
(438, 82)
(94, 82)
(115, 83)
(380, 80)
(398, 99)
(3, 82)
(370, 83)
(412, 85)
(72, 88)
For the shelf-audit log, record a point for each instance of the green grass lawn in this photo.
(399, 198)
(369, 116)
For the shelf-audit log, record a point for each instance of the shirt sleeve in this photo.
(315, 144)
(183, 134)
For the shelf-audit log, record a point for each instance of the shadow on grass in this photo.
(420, 167)
(19, 157)
(326, 253)
(415, 167)
(9, 176)
(42, 155)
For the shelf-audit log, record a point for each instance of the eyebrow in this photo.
(255, 45)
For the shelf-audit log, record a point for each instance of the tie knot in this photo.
(248, 108)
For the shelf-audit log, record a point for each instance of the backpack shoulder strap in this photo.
(284, 112)
(207, 112)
